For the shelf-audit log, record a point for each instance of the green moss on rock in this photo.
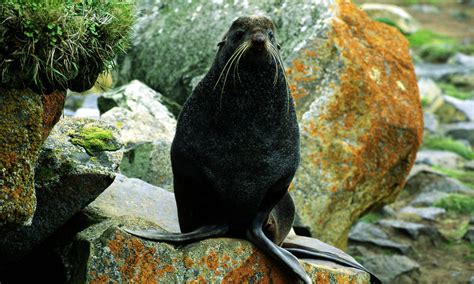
(453, 91)
(457, 203)
(95, 139)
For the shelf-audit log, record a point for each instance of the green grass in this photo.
(54, 44)
(448, 144)
(457, 203)
(466, 177)
(452, 91)
(434, 47)
(371, 217)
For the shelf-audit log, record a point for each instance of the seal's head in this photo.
(251, 38)
(251, 41)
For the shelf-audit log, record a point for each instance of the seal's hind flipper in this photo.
(257, 237)
(200, 233)
(304, 247)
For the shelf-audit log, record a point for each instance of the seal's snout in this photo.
(258, 40)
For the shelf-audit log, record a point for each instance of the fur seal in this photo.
(236, 148)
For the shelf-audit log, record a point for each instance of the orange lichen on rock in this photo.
(258, 262)
(137, 262)
(365, 124)
(53, 105)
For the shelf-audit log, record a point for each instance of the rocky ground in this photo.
(426, 235)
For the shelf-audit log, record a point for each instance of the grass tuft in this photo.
(457, 203)
(58, 44)
(452, 91)
(448, 144)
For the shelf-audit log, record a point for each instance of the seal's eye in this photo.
(271, 35)
(239, 34)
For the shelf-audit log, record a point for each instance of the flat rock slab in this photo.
(428, 198)
(110, 255)
(428, 213)
(369, 233)
(134, 197)
(444, 159)
(412, 229)
(389, 267)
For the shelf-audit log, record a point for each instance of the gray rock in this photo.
(431, 123)
(400, 17)
(428, 198)
(438, 71)
(444, 159)
(455, 110)
(462, 59)
(469, 235)
(136, 198)
(149, 161)
(369, 233)
(412, 229)
(460, 131)
(428, 213)
(138, 112)
(165, 60)
(425, 179)
(68, 177)
(137, 97)
(389, 267)
(425, 8)
(430, 93)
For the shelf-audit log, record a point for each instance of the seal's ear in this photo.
(221, 43)
(278, 46)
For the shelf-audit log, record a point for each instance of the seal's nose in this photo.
(258, 39)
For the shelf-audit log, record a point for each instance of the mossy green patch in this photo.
(95, 139)
(447, 144)
(452, 91)
(371, 217)
(457, 203)
(434, 47)
(466, 177)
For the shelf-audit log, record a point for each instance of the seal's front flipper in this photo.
(200, 233)
(257, 237)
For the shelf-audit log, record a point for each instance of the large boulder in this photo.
(105, 253)
(360, 119)
(146, 129)
(26, 118)
(76, 163)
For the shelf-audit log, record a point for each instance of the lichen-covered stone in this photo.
(67, 178)
(146, 129)
(360, 119)
(26, 118)
(107, 254)
(167, 61)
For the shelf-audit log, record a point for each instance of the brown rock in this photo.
(26, 118)
(110, 255)
(360, 120)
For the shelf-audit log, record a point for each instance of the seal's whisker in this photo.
(278, 57)
(236, 66)
(233, 58)
(273, 56)
(225, 66)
